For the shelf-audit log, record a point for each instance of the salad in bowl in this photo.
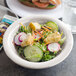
(39, 42)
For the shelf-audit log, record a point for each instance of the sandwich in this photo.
(44, 4)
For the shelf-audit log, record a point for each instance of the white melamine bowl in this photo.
(13, 55)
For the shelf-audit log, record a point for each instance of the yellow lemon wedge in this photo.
(35, 26)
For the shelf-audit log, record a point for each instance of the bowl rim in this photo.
(33, 65)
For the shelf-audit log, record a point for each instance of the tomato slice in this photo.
(38, 4)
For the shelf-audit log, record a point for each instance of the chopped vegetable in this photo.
(53, 47)
(62, 41)
(45, 34)
(47, 56)
(16, 40)
(22, 36)
(28, 29)
(33, 53)
(53, 25)
(37, 36)
(25, 29)
(45, 28)
(23, 26)
(42, 46)
(21, 29)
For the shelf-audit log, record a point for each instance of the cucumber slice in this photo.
(33, 53)
(53, 25)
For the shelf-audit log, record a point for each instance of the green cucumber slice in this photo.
(33, 53)
(53, 25)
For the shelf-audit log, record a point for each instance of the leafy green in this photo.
(55, 52)
(51, 6)
(62, 41)
(36, 39)
(47, 33)
(37, 44)
(43, 25)
(42, 46)
(61, 33)
(27, 29)
(47, 56)
(21, 29)
(20, 50)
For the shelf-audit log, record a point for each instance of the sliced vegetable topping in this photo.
(33, 53)
(22, 37)
(45, 28)
(53, 25)
(53, 47)
(16, 40)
